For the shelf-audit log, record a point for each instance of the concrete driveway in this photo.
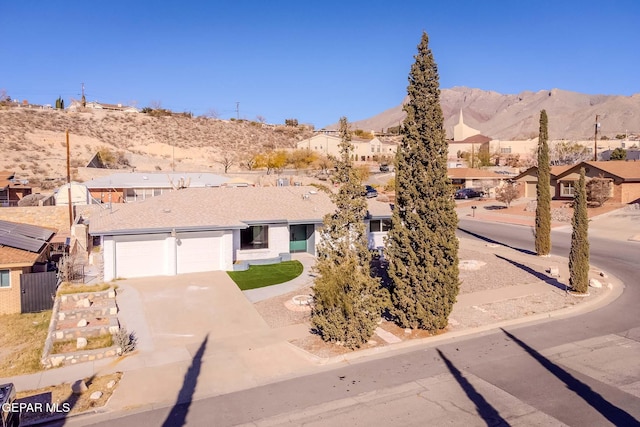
(200, 323)
(183, 309)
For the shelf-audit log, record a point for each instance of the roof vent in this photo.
(166, 210)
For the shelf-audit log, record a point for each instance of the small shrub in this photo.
(125, 340)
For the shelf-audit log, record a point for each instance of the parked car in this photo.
(384, 168)
(468, 193)
(370, 192)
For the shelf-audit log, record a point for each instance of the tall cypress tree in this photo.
(543, 192)
(579, 254)
(348, 301)
(422, 247)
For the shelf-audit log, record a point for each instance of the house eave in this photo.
(162, 230)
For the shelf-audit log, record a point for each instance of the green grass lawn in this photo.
(259, 276)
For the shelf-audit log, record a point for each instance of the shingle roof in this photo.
(16, 257)
(156, 180)
(217, 208)
(459, 173)
(628, 171)
(212, 208)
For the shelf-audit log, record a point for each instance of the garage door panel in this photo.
(140, 256)
(197, 252)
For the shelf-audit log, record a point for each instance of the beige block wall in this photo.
(630, 192)
(10, 297)
(43, 216)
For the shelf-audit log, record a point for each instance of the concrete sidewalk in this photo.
(203, 319)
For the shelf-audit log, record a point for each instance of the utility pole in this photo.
(595, 140)
(238, 110)
(84, 100)
(69, 182)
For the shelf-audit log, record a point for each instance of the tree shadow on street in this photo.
(542, 276)
(178, 414)
(488, 413)
(489, 240)
(615, 415)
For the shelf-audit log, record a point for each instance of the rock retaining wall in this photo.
(81, 315)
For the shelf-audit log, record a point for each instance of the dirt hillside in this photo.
(32, 141)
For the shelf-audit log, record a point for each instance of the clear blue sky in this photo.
(310, 60)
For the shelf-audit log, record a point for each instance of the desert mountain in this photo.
(514, 117)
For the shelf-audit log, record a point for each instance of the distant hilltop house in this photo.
(12, 190)
(363, 150)
(95, 105)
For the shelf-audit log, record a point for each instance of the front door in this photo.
(299, 234)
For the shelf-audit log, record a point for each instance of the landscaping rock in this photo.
(95, 395)
(82, 323)
(554, 271)
(81, 343)
(595, 283)
(110, 384)
(79, 387)
(603, 274)
(83, 303)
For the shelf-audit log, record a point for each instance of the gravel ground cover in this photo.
(484, 267)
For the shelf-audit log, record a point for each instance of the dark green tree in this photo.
(348, 301)
(579, 254)
(422, 247)
(619, 154)
(543, 192)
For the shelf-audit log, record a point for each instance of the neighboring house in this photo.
(474, 178)
(209, 229)
(12, 190)
(23, 249)
(136, 186)
(528, 181)
(632, 154)
(364, 150)
(94, 105)
(624, 178)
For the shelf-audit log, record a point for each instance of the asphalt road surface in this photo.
(580, 371)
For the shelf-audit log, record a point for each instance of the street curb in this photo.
(614, 290)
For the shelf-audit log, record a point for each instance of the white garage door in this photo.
(140, 255)
(198, 252)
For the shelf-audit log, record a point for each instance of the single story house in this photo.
(209, 229)
(135, 186)
(12, 190)
(474, 178)
(528, 181)
(624, 177)
(23, 249)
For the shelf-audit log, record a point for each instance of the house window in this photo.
(254, 237)
(505, 150)
(157, 191)
(5, 279)
(130, 195)
(376, 225)
(566, 189)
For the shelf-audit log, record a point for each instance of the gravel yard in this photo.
(483, 268)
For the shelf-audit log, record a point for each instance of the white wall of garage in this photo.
(145, 255)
